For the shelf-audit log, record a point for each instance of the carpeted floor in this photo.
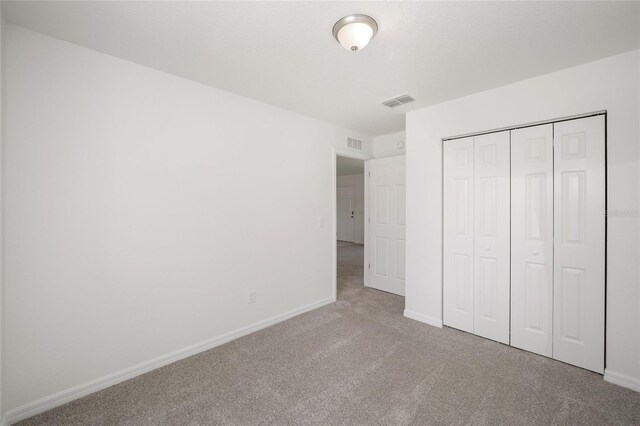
(357, 362)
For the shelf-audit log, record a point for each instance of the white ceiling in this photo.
(348, 166)
(283, 53)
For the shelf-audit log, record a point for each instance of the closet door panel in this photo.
(579, 257)
(458, 234)
(491, 242)
(532, 239)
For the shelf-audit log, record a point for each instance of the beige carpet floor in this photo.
(357, 362)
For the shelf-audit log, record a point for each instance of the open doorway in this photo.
(349, 200)
(350, 223)
(369, 223)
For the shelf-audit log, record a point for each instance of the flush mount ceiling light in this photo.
(354, 32)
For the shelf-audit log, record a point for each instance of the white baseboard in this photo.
(68, 395)
(622, 380)
(423, 318)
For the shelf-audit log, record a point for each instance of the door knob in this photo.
(488, 248)
(536, 252)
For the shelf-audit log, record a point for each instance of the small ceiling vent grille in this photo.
(353, 143)
(397, 101)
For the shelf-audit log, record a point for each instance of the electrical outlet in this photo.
(252, 296)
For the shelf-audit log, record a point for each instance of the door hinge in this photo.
(369, 220)
(369, 174)
(369, 266)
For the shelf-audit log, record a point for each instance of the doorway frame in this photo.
(334, 211)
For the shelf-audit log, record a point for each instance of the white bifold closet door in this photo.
(532, 239)
(476, 240)
(524, 238)
(492, 227)
(458, 234)
(579, 242)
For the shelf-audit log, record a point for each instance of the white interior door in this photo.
(458, 234)
(579, 249)
(532, 239)
(345, 213)
(387, 224)
(492, 236)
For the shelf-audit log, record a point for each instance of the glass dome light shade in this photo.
(354, 32)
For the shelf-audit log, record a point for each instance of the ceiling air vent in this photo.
(397, 101)
(353, 143)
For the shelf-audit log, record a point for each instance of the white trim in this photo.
(622, 380)
(435, 322)
(367, 224)
(334, 221)
(523, 125)
(352, 154)
(68, 395)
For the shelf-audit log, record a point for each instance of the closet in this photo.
(524, 238)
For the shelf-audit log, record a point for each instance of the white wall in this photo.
(386, 145)
(357, 181)
(612, 84)
(140, 210)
